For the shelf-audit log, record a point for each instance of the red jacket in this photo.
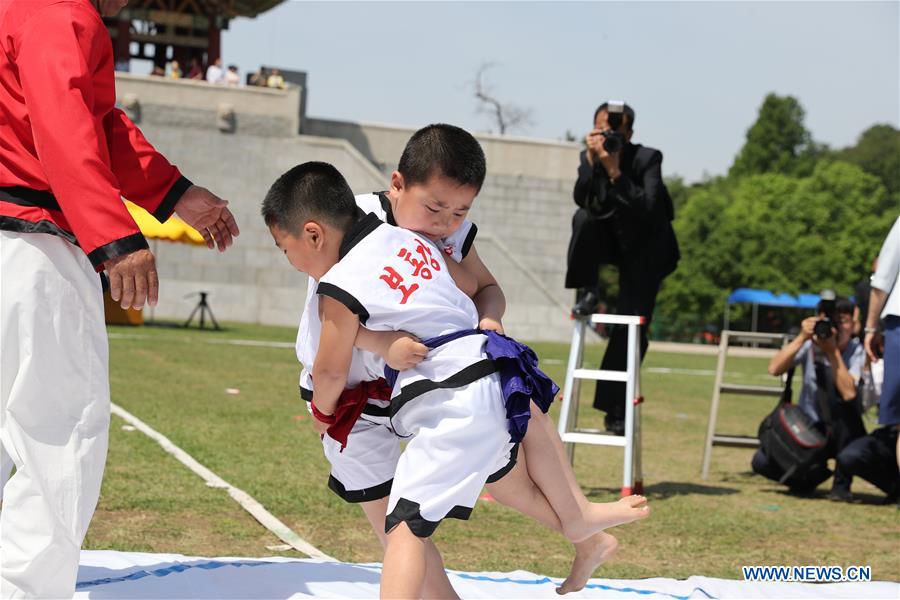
(67, 155)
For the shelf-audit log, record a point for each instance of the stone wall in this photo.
(523, 212)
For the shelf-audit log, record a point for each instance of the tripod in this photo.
(203, 307)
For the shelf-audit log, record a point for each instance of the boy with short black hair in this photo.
(451, 404)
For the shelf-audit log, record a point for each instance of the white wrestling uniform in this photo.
(450, 404)
(363, 471)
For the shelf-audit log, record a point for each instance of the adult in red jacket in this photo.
(67, 157)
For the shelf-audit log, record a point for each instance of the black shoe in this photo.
(840, 495)
(614, 425)
(802, 491)
(587, 305)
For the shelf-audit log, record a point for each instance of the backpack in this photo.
(789, 436)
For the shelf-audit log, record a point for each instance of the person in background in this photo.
(275, 80)
(832, 360)
(259, 78)
(624, 218)
(884, 304)
(196, 71)
(214, 73)
(175, 70)
(231, 76)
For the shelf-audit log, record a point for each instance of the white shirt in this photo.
(214, 74)
(888, 271)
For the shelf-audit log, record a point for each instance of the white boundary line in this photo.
(247, 502)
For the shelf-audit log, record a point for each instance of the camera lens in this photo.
(823, 329)
(612, 142)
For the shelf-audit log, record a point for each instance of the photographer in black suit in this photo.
(624, 219)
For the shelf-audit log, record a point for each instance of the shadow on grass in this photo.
(821, 494)
(668, 489)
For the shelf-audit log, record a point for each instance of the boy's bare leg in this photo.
(437, 584)
(589, 554)
(403, 573)
(550, 470)
(517, 490)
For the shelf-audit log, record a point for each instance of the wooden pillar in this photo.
(122, 43)
(214, 49)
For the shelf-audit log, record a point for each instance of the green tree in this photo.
(877, 151)
(774, 231)
(678, 190)
(778, 142)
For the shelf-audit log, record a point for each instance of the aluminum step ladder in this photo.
(713, 438)
(571, 434)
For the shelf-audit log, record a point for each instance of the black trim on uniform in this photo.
(473, 372)
(387, 208)
(126, 245)
(409, 511)
(373, 410)
(24, 196)
(377, 492)
(344, 297)
(23, 226)
(167, 206)
(513, 455)
(364, 225)
(470, 239)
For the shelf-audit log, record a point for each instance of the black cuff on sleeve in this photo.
(470, 239)
(125, 245)
(345, 298)
(167, 206)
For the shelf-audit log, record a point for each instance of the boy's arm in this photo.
(339, 327)
(488, 297)
(464, 279)
(400, 350)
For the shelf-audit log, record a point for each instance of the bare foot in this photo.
(589, 554)
(603, 515)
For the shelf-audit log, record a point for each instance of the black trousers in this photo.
(638, 286)
(846, 426)
(874, 458)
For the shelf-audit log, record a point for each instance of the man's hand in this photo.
(208, 214)
(490, 324)
(404, 351)
(872, 343)
(807, 327)
(133, 279)
(827, 345)
(596, 152)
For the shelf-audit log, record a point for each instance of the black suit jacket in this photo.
(633, 216)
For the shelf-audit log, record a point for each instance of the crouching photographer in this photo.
(832, 360)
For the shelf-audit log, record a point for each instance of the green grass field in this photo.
(261, 440)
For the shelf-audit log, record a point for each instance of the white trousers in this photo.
(54, 410)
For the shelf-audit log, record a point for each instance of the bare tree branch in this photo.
(506, 116)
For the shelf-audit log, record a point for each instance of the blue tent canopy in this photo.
(767, 298)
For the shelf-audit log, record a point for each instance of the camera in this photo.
(825, 327)
(613, 141)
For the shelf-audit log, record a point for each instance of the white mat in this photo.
(107, 574)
